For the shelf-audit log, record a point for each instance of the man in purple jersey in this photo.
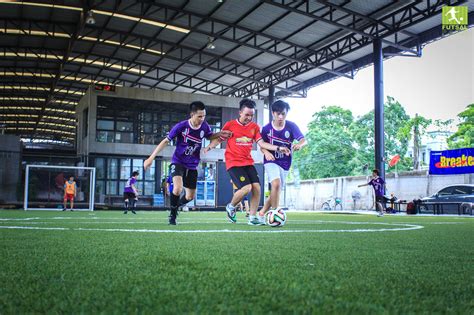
(130, 194)
(189, 135)
(379, 188)
(279, 132)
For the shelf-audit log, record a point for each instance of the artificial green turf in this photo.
(428, 270)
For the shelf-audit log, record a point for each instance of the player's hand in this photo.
(269, 156)
(284, 150)
(147, 164)
(297, 147)
(207, 149)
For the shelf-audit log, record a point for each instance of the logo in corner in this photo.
(454, 18)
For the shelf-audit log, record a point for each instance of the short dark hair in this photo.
(376, 171)
(246, 102)
(71, 176)
(135, 173)
(280, 106)
(195, 106)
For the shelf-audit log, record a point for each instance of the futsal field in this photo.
(108, 262)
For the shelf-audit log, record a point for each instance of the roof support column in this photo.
(379, 110)
(271, 99)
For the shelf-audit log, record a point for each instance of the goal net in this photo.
(45, 187)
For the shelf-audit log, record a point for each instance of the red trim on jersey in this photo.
(239, 146)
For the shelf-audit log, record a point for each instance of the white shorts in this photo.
(274, 171)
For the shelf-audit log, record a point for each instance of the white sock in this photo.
(230, 206)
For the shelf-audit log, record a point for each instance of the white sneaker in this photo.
(231, 213)
(380, 214)
(261, 219)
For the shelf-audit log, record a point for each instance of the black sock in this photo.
(126, 205)
(183, 200)
(174, 204)
(134, 203)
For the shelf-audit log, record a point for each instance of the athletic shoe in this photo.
(261, 219)
(64, 209)
(247, 214)
(231, 213)
(380, 214)
(72, 210)
(255, 222)
(133, 211)
(172, 220)
(125, 212)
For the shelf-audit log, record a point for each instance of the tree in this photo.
(330, 149)
(396, 142)
(416, 126)
(464, 136)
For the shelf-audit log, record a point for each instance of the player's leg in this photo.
(255, 199)
(273, 175)
(126, 201)
(379, 202)
(134, 201)
(176, 172)
(190, 184)
(241, 180)
(71, 201)
(65, 202)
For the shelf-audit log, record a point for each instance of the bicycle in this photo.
(332, 204)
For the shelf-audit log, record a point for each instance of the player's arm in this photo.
(299, 145)
(265, 145)
(214, 143)
(157, 150)
(224, 134)
(135, 190)
(268, 155)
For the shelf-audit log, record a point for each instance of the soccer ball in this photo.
(275, 217)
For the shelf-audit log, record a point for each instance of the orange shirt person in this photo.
(69, 192)
(239, 161)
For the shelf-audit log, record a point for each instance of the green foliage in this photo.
(330, 150)
(464, 136)
(338, 145)
(74, 271)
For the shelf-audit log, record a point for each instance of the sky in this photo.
(438, 85)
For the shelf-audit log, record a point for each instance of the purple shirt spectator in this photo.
(281, 138)
(128, 185)
(188, 143)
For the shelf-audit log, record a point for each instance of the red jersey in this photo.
(239, 146)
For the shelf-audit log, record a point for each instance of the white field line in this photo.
(405, 227)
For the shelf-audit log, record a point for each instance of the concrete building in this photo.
(119, 128)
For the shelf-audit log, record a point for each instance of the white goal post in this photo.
(44, 187)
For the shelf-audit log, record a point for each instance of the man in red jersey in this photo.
(239, 162)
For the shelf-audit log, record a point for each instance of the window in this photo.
(112, 170)
(125, 168)
(100, 168)
(462, 190)
(121, 120)
(446, 192)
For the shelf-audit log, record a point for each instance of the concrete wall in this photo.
(310, 194)
(87, 145)
(10, 162)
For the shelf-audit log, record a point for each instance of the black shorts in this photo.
(189, 176)
(243, 175)
(128, 195)
(381, 199)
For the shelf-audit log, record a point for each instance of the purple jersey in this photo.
(378, 184)
(128, 185)
(281, 138)
(188, 143)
